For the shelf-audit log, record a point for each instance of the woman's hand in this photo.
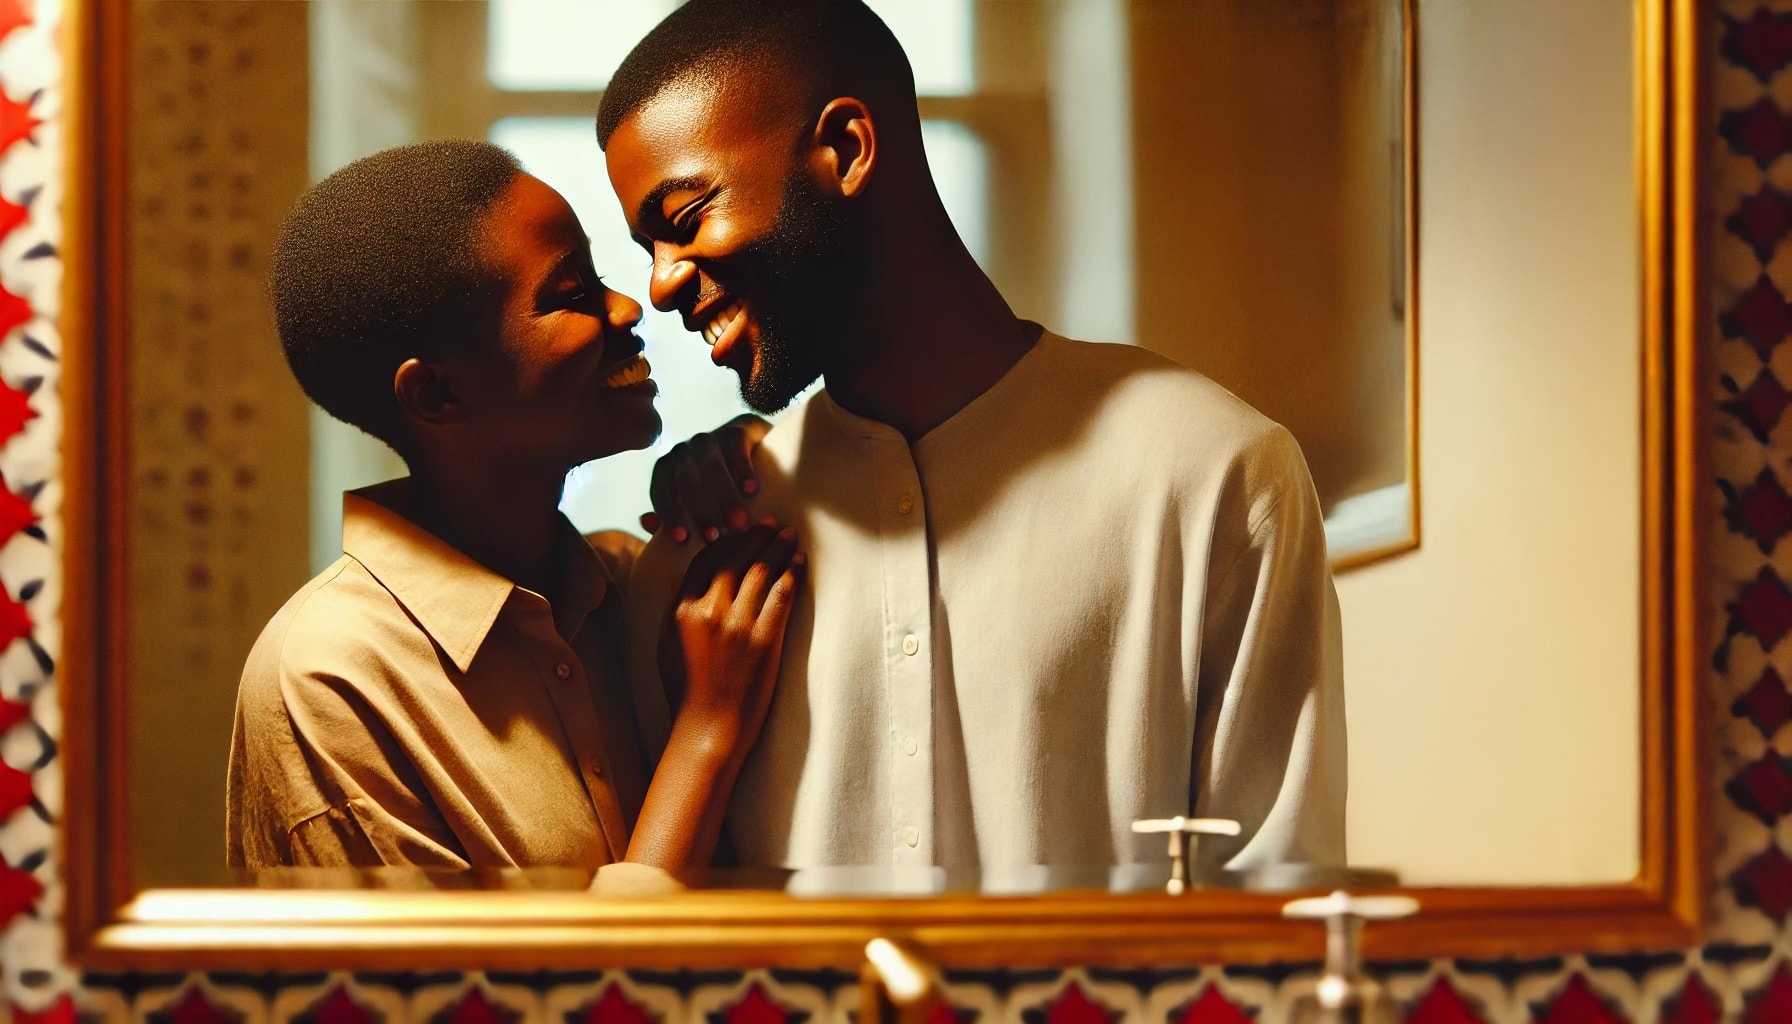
(729, 625)
(719, 658)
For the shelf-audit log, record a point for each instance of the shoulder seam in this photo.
(321, 583)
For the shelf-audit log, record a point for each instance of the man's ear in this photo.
(844, 154)
(427, 395)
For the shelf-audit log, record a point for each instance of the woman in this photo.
(450, 693)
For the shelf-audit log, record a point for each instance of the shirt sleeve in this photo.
(1270, 744)
(380, 812)
(316, 780)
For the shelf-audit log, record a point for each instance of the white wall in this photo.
(1493, 674)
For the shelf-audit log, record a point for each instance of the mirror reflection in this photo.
(969, 699)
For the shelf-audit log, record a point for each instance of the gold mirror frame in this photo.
(111, 926)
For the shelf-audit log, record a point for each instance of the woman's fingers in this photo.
(738, 552)
(757, 578)
(774, 615)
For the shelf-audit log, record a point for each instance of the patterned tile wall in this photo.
(219, 429)
(1743, 973)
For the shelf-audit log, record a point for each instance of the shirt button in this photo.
(906, 505)
(910, 644)
(912, 836)
(909, 746)
(563, 670)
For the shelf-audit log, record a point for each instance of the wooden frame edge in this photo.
(92, 45)
(1663, 908)
(1409, 104)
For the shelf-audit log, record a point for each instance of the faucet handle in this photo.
(897, 985)
(1181, 831)
(1343, 904)
(1345, 992)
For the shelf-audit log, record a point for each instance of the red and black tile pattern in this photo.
(1745, 974)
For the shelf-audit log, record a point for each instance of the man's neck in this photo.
(936, 335)
(504, 518)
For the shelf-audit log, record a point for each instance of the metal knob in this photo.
(897, 985)
(1345, 994)
(1182, 832)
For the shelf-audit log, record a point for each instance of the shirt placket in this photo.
(569, 688)
(908, 650)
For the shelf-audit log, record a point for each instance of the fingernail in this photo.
(737, 518)
(749, 486)
(679, 534)
(769, 521)
(788, 533)
(799, 559)
(710, 533)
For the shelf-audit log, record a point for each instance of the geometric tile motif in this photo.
(1761, 45)
(613, 1006)
(337, 1007)
(1578, 1003)
(1072, 1006)
(1763, 788)
(1772, 1003)
(1757, 407)
(1765, 883)
(1210, 1007)
(1442, 1004)
(1760, 316)
(758, 1007)
(1762, 511)
(1759, 131)
(20, 891)
(195, 1007)
(1763, 221)
(62, 1011)
(1767, 704)
(1695, 1003)
(1763, 609)
(476, 1007)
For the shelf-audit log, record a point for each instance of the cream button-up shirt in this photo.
(411, 707)
(1098, 593)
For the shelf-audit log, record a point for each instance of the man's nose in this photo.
(672, 274)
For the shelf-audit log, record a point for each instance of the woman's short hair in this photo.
(380, 262)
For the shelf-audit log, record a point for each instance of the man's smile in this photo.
(721, 322)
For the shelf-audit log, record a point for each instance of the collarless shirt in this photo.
(411, 707)
(1098, 593)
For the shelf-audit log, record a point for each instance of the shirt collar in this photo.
(873, 430)
(455, 599)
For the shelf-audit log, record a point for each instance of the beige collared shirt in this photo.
(411, 707)
(1097, 593)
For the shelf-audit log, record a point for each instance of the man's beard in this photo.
(805, 274)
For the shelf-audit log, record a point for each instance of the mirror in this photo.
(1224, 181)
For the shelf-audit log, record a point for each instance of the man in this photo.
(1056, 587)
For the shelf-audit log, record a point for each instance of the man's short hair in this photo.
(829, 47)
(379, 263)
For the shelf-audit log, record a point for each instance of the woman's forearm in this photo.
(681, 818)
